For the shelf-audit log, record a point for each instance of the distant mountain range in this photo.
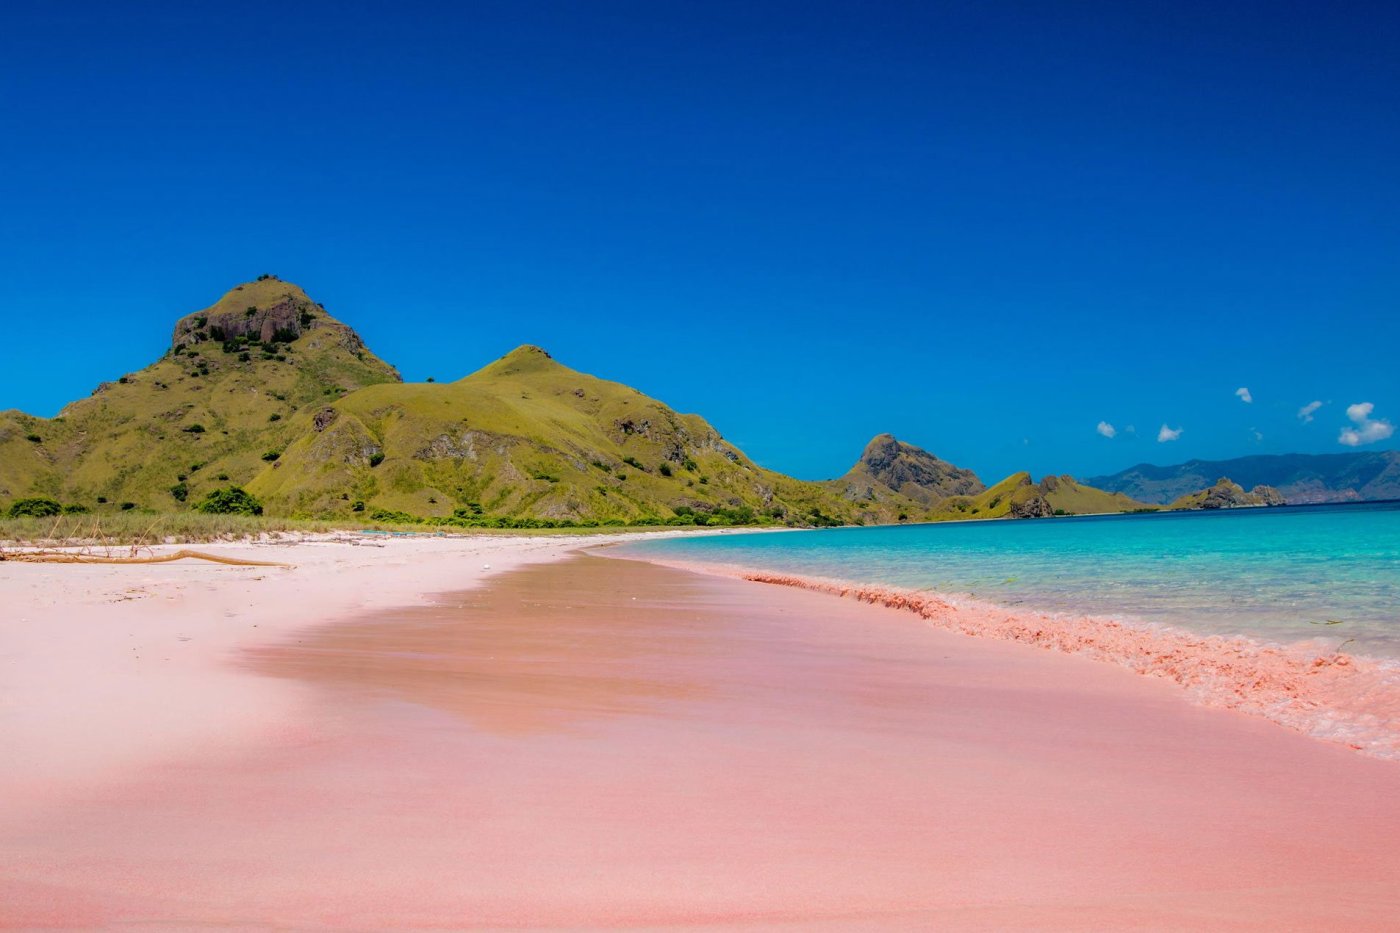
(1299, 478)
(266, 391)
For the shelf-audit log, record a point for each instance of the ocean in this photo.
(1310, 581)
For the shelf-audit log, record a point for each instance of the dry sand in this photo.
(596, 742)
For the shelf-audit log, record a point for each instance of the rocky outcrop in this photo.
(324, 419)
(282, 322)
(908, 470)
(1227, 494)
(1036, 506)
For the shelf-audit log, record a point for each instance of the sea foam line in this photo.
(1327, 695)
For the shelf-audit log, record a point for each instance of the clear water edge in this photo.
(1328, 576)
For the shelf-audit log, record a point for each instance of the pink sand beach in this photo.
(403, 737)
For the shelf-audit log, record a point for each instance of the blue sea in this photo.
(1328, 575)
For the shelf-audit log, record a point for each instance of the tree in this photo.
(231, 500)
(34, 508)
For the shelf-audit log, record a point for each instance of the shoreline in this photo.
(1330, 696)
(92, 655)
(587, 743)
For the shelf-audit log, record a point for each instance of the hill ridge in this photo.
(1300, 478)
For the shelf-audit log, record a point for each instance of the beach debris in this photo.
(76, 557)
(1327, 622)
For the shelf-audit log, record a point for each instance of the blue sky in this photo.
(983, 227)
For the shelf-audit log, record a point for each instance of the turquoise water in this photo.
(1269, 574)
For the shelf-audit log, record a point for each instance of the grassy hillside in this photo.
(266, 391)
(202, 416)
(527, 436)
(1018, 497)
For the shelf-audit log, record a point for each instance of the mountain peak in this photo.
(526, 358)
(266, 309)
(526, 351)
(909, 470)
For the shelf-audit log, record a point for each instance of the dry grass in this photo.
(136, 530)
(132, 532)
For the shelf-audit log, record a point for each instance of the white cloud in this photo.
(1244, 395)
(1107, 430)
(1167, 434)
(1257, 435)
(1307, 411)
(1368, 430)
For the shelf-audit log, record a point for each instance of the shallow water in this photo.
(1276, 575)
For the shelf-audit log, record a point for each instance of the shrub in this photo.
(252, 310)
(704, 481)
(664, 469)
(34, 508)
(359, 506)
(101, 500)
(128, 506)
(306, 318)
(689, 464)
(602, 466)
(272, 456)
(231, 500)
(431, 379)
(75, 508)
(274, 417)
(375, 459)
(194, 429)
(634, 462)
(33, 438)
(181, 491)
(244, 358)
(394, 518)
(222, 477)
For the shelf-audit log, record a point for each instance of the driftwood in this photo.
(69, 557)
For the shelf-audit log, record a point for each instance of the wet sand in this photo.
(601, 742)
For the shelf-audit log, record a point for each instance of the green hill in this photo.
(1018, 496)
(265, 390)
(228, 391)
(527, 436)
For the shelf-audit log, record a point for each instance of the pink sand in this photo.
(1309, 687)
(599, 742)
